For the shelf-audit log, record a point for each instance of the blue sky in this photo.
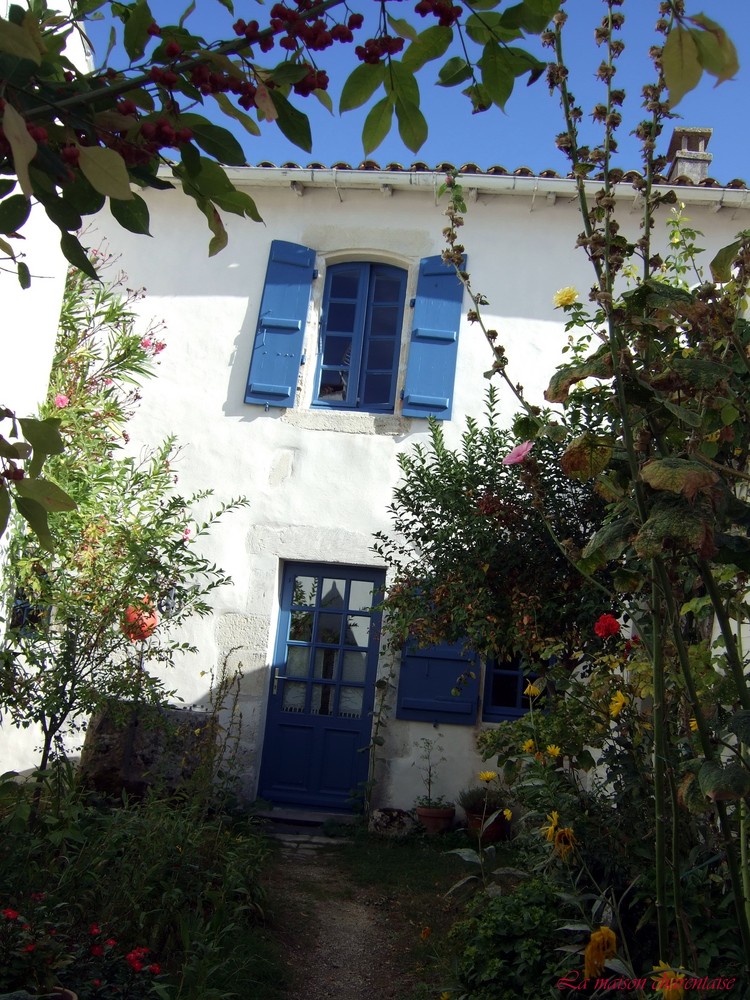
(524, 135)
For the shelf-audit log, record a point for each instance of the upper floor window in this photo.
(360, 338)
(357, 342)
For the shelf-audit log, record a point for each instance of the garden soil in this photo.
(342, 942)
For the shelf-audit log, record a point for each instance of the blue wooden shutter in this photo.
(426, 679)
(277, 352)
(431, 368)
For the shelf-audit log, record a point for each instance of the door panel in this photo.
(322, 690)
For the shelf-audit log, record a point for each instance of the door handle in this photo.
(275, 680)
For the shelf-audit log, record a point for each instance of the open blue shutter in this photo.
(431, 368)
(277, 352)
(426, 679)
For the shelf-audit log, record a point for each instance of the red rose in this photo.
(97, 950)
(606, 626)
(10, 914)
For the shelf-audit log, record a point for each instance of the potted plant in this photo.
(484, 808)
(434, 812)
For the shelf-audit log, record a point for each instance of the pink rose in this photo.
(61, 401)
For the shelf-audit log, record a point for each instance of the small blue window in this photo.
(428, 678)
(504, 684)
(360, 337)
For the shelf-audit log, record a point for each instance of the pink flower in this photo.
(154, 969)
(97, 950)
(30, 947)
(186, 533)
(518, 454)
(146, 343)
(61, 401)
(95, 929)
(159, 346)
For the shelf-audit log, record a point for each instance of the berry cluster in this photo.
(375, 48)
(445, 11)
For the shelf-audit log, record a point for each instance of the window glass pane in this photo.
(387, 289)
(332, 386)
(377, 389)
(380, 354)
(297, 661)
(325, 663)
(337, 351)
(357, 630)
(304, 591)
(384, 320)
(350, 702)
(353, 667)
(360, 595)
(332, 594)
(505, 691)
(322, 699)
(329, 629)
(301, 626)
(344, 284)
(293, 697)
(340, 317)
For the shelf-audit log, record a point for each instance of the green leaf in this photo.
(208, 182)
(412, 126)
(681, 64)
(377, 125)
(674, 522)
(6, 186)
(215, 140)
(220, 238)
(729, 414)
(497, 76)
(325, 99)
(238, 203)
(293, 124)
(453, 72)
(22, 146)
(24, 275)
(482, 4)
(402, 28)
(4, 507)
(75, 254)
(610, 540)
(739, 724)
(721, 265)
(628, 581)
(16, 41)
(689, 417)
(105, 171)
(678, 475)
(36, 516)
(288, 72)
(586, 457)
(232, 112)
(531, 15)
(14, 211)
(45, 493)
(360, 85)
(132, 215)
(721, 784)
(135, 34)
(598, 365)
(81, 196)
(428, 45)
(717, 53)
(61, 212)
(490, 27)
(401, 83)
(44, 438)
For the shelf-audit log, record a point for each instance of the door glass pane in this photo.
(304, 591)
(322, 699)
(350, 702)
(384, 319)
(354, 667)
(297, 661)
(301, 626)
(340, 317)
(329, 629)
(377, 389)
(357, 630)
(360, 595)
(293, 697)
(325, 663)
(333, 594)
(344, 284)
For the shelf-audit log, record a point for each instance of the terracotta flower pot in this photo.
(436, 819)
(498, 829)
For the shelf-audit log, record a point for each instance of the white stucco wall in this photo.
(320, 482)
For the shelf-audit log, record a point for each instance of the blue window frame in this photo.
(360, 337)
(504, 684)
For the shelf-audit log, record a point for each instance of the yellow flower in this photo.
(564, 297)
(668, 982)
(693, 725)
(487, 775)
(508, 814)
(532, 691)
(602, 945)
(549, 831)
(445, 995)
(565, 841)
(553, 750)
(528, 746)
(616, 705)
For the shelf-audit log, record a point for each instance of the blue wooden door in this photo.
(322, 686)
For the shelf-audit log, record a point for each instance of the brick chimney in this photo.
(687, 154)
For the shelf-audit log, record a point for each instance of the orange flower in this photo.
(565, 841)
(425, 933)
(602, 945)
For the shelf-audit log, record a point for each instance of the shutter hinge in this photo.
(412, 303)
(402, 393)
(316, 273)
(303, 359)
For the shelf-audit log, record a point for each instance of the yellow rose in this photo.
(564, 297)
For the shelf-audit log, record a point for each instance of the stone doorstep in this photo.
(286, 821)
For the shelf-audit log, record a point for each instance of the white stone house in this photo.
(301, 361)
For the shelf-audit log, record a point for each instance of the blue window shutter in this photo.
(277, 352)
(426, 679)
(431, 368)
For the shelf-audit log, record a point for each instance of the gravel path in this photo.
(342, 941)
